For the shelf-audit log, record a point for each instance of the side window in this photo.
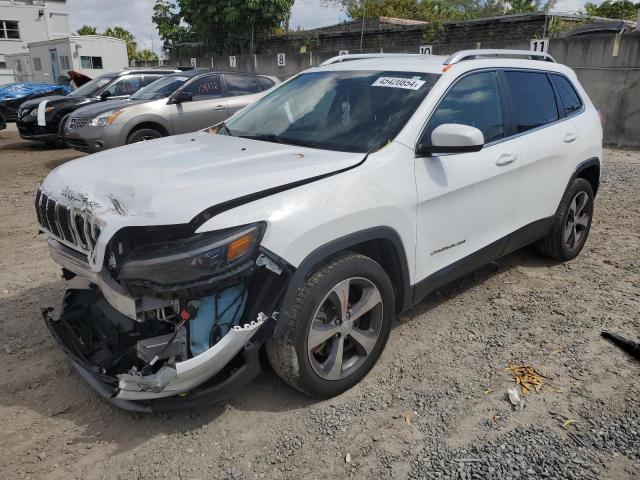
(265, 83)
(240, 84)
(474, 101)
(125, 86)
(534, 103)
(205, 88)
(568, 95)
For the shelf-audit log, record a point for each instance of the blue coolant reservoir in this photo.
(223, 309)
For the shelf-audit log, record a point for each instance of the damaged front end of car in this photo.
(173, 319)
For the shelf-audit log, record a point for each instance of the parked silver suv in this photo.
(179, 103)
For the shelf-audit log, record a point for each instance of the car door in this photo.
(545, 138)
(206, 108)
(466, 200)
(240, 90)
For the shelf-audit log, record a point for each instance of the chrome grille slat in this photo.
(66, 222)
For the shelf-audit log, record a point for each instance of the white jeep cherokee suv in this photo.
(312, 217)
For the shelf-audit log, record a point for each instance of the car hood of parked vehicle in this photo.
(173, 179)
(59, 101)
(95, 109)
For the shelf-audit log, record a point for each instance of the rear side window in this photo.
(240, 85)
(149, 79)
(266, 83)
(473, 101)
(205, 88)
(534, 103)
(126, 86)
(570, 99)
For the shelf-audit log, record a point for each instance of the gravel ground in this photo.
(435, 406)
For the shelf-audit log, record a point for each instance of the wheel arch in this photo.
(590, 171)
(382, 244)
(147, 124)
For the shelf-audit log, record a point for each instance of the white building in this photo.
(91, 55)
(23, 22)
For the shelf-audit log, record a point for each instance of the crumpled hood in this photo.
(173, 179)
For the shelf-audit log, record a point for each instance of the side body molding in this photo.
(344, 243)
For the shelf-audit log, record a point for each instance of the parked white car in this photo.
(312, 217)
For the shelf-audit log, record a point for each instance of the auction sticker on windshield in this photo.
(394, 82)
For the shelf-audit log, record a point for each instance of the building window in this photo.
(91, 63)
(9, 29)
(64, 61)
(3, 65)
(37, 64)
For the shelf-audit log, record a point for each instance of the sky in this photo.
(135, 16)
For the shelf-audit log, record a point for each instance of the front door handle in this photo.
(219, 107)
(570, 137)
(506, 159)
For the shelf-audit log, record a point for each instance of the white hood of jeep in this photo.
(171, 180)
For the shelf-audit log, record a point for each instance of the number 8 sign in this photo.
(281, 59)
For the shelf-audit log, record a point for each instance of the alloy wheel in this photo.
(345, 328)
(577, 222)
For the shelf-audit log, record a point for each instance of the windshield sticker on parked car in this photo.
(394, 82)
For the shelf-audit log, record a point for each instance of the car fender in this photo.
(136, 120)
(309, 223)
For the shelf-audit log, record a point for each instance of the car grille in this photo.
(67, 223)
(78, 122)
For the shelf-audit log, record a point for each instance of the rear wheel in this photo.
(337, 328)
(572, 223)
(143, 135)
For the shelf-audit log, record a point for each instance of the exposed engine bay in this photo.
(170, 318)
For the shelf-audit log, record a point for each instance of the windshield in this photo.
(160, 88)
(91, 88)
(352, 111)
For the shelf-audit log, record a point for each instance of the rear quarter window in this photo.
(570, 99)
(265, 83)
(533, 100)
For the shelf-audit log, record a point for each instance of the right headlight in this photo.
(105, 119)
(190, 260)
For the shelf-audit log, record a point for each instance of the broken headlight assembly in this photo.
(192, 260)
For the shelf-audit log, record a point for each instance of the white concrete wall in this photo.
(53, 23)
(112, 51)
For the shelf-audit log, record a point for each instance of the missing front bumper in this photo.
(101, 343)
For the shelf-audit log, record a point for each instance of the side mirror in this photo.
(452, 138)
(182, 97)
(105, 95)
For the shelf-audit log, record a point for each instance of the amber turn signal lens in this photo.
(239, 246)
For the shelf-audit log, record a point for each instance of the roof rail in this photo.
(360, 56)
(473, 54)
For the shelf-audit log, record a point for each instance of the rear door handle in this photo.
(570, 137)
(506, 159)
(219, 107)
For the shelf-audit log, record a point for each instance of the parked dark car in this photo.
(44, 122)
(3, 124)
(15, 94)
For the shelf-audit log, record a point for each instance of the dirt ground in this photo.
(435, 406)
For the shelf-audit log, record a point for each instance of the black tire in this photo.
(288, 354)
(555, 245)
(143, 134)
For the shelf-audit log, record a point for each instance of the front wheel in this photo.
(571, 224)
(336, 329)
(143, 135)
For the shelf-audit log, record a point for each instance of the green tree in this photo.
(168, 21)
(146, 55)
(619, 9)
(127, 36)
(87, 30)
(234, 25)
(525, 6)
